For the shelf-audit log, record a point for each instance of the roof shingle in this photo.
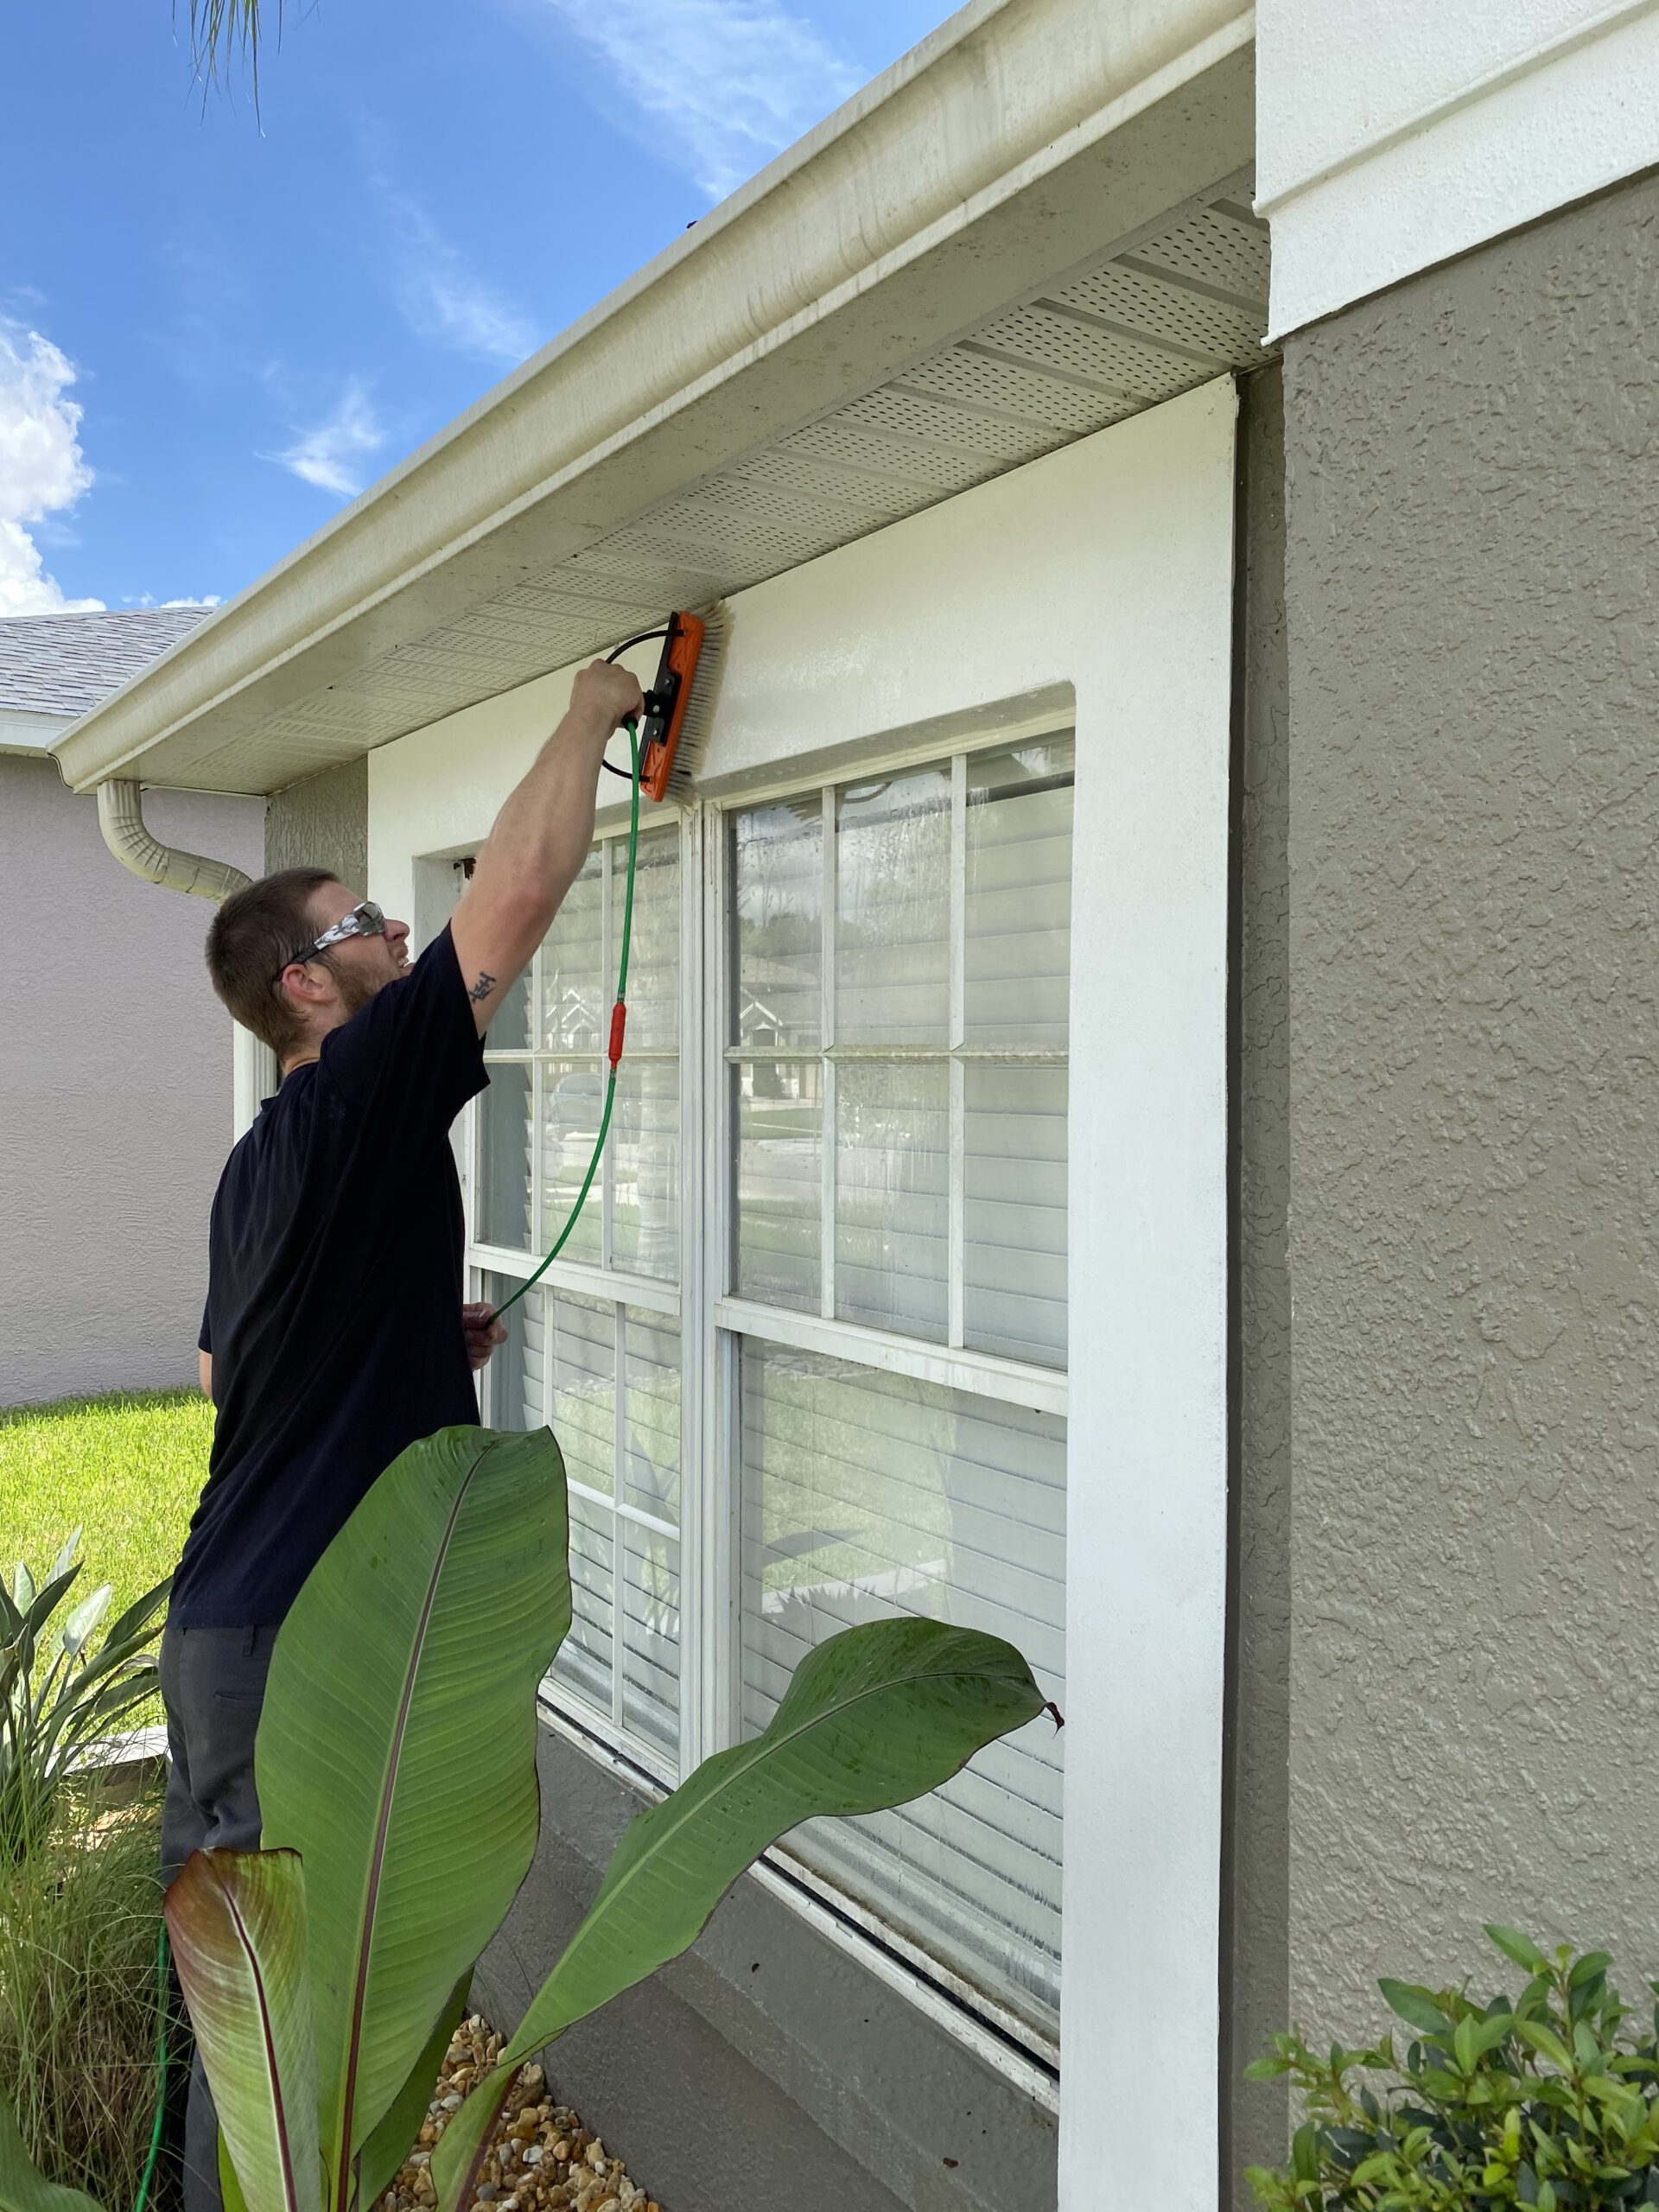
(64, 664)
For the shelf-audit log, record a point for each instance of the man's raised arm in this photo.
(541, 837)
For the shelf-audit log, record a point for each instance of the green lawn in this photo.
(126, 1469)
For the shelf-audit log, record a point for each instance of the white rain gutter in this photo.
(121, 818)
(1021, 133)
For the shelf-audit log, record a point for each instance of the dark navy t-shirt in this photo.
(333, 1293)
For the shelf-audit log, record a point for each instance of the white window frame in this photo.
(1108, 568)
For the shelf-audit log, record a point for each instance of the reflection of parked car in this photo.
(570, 1122)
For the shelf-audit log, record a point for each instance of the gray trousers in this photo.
(213, 1686)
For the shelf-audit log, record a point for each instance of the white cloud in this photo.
(440, 300)
(149, 598)
(43, 469)
(727, 83)
(327, 455)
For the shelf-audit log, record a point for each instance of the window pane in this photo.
(509, 1029)
(864, 1495)
(651, 1445)
(584, 1660)
(576, 999)
(514, 1391)
(779, 1181)
(645, 1169)
(650, 1636)
(1018, 895)
(1013, 1213)
(581, 1376)
(573, 1099)
(893, 1230)
(893, 910)
(504, 1157)
(654, 962)
(777, 872)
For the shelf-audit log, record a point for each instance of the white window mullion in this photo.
(606, 970)
(618, 1563)
(537, 1108)
(958, 957)
(716, 1499)
(827, 1079)
(697, 1071)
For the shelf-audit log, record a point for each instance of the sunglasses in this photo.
(366, 920)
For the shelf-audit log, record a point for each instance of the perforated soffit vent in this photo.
(1151, 316)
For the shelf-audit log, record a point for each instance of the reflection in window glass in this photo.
(645, 1169)
(654, 959)
(650, 1634)
(584, 1660)
(777, 894)
(1018, 895)
(893, 1228)
(575, 998)
(573, 1099)
(779, 1181)
(866, 1495)
(503, 1206)
(651, 1445)
(893, 910)
(1013, 1213)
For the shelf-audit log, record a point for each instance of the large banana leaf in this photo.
(23, 2188)
(237, 1922)
(397, 1748)
(873, 1717)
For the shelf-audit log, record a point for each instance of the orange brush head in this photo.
(666, 702)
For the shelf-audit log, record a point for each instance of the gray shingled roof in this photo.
(63, 663)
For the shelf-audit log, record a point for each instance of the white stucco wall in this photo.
(1394, 134)
(115, 1091)
(1105, 572)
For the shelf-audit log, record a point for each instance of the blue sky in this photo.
(214, 327)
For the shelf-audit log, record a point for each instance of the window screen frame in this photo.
(713, 1321)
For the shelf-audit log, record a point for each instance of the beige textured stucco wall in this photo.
(115, 1091)
(1473, 487)
(323, 822)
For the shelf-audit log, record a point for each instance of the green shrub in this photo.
(1550, 2099)
(59, 1693)
(79, 1920)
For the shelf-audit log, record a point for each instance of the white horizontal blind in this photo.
(898, 1056)
(584, 1358)
(866, 1495)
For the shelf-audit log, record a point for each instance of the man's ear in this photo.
(303, 987)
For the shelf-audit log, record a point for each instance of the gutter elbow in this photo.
(121, 819)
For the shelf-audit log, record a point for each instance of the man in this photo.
(335, 1334)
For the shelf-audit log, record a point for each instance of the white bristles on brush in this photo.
(698, 725)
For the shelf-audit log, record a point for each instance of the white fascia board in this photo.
(27, 731)
(1396, 134)
(1022, 135)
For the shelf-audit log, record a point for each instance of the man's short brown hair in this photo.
(251, 939)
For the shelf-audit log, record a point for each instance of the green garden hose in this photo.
(149, 2177)
(619, 1023)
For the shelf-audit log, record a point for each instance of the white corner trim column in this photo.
(253, 1079)
(1395, 134)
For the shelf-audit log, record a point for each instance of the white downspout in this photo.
(121, 818)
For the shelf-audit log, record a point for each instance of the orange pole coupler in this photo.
(619, 1025)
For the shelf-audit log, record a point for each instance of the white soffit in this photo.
(1396, 134)
(1033, 227)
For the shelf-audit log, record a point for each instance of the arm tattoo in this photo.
(482, 987)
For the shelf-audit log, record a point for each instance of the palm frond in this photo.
(224, 33)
